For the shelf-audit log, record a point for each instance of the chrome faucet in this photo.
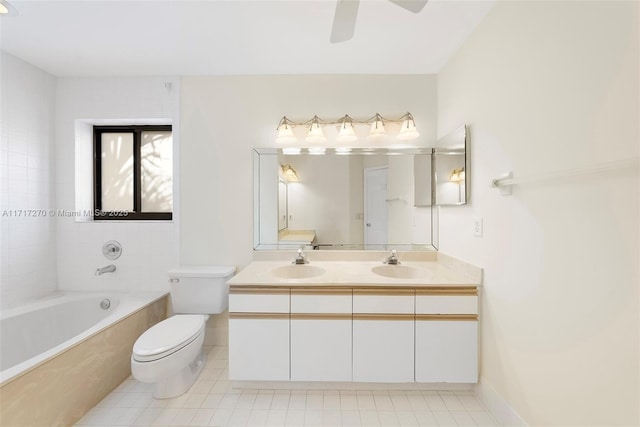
(392, 259)
(108, 269)
(300, 259)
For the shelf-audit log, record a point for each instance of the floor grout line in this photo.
(214, 402)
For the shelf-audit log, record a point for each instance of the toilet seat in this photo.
(168, 336)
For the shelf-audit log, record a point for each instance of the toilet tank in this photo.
(200, 289)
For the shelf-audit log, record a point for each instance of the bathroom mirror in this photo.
(364, 199)
(450, 167)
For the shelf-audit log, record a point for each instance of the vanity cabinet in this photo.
(321, 327)
(354, 333)
(383, 335)
(446, 341)
(259, 333)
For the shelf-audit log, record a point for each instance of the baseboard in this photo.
(349, 386)
(499, 408)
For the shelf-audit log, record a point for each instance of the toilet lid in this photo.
(168, 336)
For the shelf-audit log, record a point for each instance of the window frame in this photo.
(136, 214)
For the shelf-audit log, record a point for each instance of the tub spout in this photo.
(108, 269)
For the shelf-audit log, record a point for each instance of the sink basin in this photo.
(297, 271)
(400, 272)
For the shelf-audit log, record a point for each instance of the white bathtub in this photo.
(37, 332)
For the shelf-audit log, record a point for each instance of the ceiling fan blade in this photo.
(414, 6)
(344, 20)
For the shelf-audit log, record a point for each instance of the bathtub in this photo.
(69, 350)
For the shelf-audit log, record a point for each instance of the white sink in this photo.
(400, 272)
(297, 271)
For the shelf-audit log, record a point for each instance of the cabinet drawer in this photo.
(321, 300)
(446, 304)
(249, 300)
(401, 304)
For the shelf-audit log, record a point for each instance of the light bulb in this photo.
(343, 150)
(291, 151)
(317, 150)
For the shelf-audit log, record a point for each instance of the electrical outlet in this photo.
(477, 226)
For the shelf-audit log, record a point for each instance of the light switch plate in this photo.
(477, 226)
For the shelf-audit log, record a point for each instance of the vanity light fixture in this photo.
(285, 132)
(346, 134)
(289, 173)
(315, 134)
(377, 132)
(408, 129)
(343, 150)
(347, 129)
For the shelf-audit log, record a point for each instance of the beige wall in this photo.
(222, 118)
(546, 87)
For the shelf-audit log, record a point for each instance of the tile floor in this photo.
(213, 402)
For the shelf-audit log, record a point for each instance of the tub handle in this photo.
(112, 249)
(174, 280)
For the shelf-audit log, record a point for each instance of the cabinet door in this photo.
(383, 335)
(446, 350)
(259, 348)
(321, 347)
(321, 334)
(259, 334)
(383, 348)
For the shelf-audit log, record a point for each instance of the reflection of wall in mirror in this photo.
(321, 201)
(268, 199)
(401, 209)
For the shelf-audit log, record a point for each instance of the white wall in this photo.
(27, 239)
(149, 248)
(222, 118)
(545, 87)
(320, 201)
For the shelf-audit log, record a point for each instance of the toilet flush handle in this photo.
(174, 280)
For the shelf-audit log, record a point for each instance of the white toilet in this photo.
(169, 353)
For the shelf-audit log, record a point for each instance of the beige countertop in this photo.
(352, 273)
(292, 236)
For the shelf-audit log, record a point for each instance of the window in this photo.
(133, 172)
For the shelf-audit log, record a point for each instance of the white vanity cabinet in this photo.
(446, 346)
(321, 328)
(362, 333)
(383, 335)
(259, 333)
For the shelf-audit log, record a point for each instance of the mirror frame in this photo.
(258, 245)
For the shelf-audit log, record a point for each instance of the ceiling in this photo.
(240, 37)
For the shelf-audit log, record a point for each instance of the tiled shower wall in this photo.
(149, 248)
(28, 233)
(42, 251)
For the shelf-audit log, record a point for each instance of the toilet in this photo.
(169, 354)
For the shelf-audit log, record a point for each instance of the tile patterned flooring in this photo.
(212, 401)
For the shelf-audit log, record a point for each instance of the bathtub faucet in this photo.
(108, 269)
